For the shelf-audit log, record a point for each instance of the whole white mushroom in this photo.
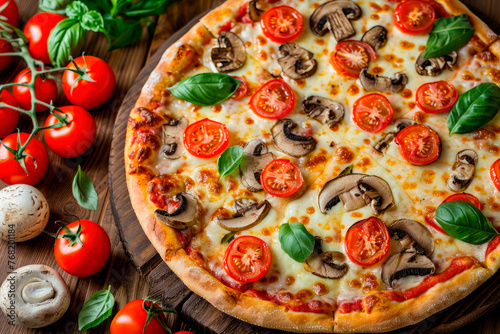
(24, 212)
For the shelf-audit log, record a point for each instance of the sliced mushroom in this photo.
(376, 37)
(231, 53)
(402, 123)
(383, 84)
(184, 215)
(356, 191)
(434, 66)
(406, 264)
(247, 217)
(463, 170)
(288, 142)
(254, 13)
(172, 138)
(255, 158)
(296, 62)
(412, 237)
(324, 110)
(328, 264)
(335, 16)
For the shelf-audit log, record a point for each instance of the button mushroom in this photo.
(255, 158)
(254, 13)
(324, 110)
(412, 237)
(172, 138)
(296, 62)
(34, 296)
(184, 215)
(327, 264)
(247, 216)
(376, 37)
(402, 123)
(288, 142)
(463, 170)
(231, 53)
(24, 212)
(434, 66)
(406, 264)
(383, 84)
(335, 16)
(356, 191)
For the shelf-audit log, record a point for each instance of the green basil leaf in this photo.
(229, 160)
(148, 8)
(463, 221)
(474, 109)
(102, 6)
(92, 20)
(84, 192)
(346, 171)
(98, 308)
(76, 10)
(227, 238)
(121, 33)
(66, 39)
(206, 89)
(296, 241)
(53, 6)
(448, 34)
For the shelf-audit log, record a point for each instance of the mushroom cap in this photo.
(172, 138)
(434, 66)
(255, 158)
(321, 21)
(248, 217)
(383, 84)
(288, 142)
(184, 215)
(231, 53)
(412, 236)
(254, 13)
(26, 208)
(324, 110)
(463, 170)
(376, 37)
(40, 296)
(405, 264)
(296, 62)
(325, 264)
(383, 143)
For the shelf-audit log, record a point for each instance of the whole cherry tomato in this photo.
(282, 24)
(5, 47)
(73, 139)
(367, 241)
(85, 93)
(37, 30)
(131, 319)
(45, 90)
(10, 12)
(36, 160)
(82, 253)
(247, 259)
(8, 117)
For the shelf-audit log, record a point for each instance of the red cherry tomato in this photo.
(247, 259)
(242, 89)
(281, 178)
(37, 30)
(274, 100)
(419, 144)
(10, 12)
(367, 241)
(45, 90)
(5, 47)
(84, 93)
(465, 197)
(436, 97)
(495, 174)
(372, 112)
(282, 24)
(414, 17)
(206, 138)
(8, 117)
(350, 57)
(74, 139)
(430, 219)
(87, 260)
(131, 319)
(11, 171)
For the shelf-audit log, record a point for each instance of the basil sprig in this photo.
(448, 34)
(84, 192)
(296, 241)
(226, 239)
(97, 309)
(229, 160)
(474, 109)
(206, 89)
(463, 221)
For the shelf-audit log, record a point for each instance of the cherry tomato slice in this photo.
(247, 259)
(419, 144)
(350, 57)
(274, 100)
(495, 174)
(281, 178)
(367, 241)
(414, 17)
(206, 138)
(430, 219)
(465, 197)
(436, 97)
(282, 24)
(242, 89)
(372, 112)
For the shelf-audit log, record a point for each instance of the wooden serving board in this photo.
(195, 311)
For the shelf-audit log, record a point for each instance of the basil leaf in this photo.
(97, 309)
(147, 8)
(448, 34)
(66, 39)
(346, 171)
(474, 109)
(121, 33)
(463, 221)
(206, 89)
(53, 6)
(227, 238)
(296, 241)
(84, 192)
(92, 20)
(229, 160)
(76, 10)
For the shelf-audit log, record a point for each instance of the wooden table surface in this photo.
(126, 282)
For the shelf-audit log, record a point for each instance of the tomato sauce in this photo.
(312, 306)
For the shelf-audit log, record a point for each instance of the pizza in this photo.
(323, 166)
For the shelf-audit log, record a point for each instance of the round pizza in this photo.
(324, 166)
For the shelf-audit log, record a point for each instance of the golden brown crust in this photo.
(214, 20)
